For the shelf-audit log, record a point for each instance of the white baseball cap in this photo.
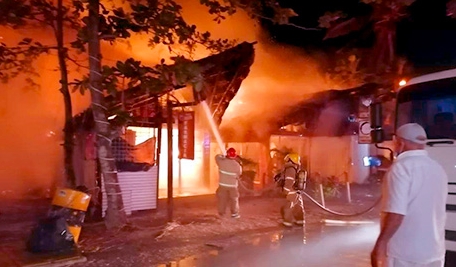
(412, 132)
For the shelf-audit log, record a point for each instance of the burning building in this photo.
(279, 79)
(142, 149)
(331, 131)
(327, 128)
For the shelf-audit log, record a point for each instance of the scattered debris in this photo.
(169, 227)
(148, 239)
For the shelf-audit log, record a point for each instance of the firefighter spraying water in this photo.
(294, 198)
(229, 172)
(228, 193)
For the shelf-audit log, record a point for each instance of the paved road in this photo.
(322, 246)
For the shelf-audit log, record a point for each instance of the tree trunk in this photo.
(115, 214)
(68, 130)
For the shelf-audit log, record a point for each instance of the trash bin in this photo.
(72, 205)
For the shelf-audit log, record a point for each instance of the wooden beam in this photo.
(169, 123)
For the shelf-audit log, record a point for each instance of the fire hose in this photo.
(254, 191)
(340, 213)
(316, 202)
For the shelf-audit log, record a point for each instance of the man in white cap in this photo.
(413, 213)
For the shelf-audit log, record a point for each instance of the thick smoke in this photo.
(32, 120)
(280, 77)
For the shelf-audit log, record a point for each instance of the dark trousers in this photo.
(293, 209)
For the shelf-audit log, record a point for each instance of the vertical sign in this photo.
(364, 128)
(186, 139)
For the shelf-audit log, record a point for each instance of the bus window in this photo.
(432, 105)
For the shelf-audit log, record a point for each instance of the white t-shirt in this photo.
(416, 186)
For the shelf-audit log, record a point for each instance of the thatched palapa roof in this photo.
(223, 74)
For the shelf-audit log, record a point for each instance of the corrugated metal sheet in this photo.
(139, 190)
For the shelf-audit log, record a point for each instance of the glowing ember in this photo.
(50, 134)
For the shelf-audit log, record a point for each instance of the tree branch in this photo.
(74, 61)
(288, 24)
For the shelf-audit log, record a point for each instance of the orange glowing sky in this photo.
(32, 155)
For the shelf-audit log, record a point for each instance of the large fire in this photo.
(33, 120)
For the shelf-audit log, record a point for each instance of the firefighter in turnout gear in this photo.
(293, 185)
(227, 193)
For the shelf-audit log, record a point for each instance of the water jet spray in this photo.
(214, 128)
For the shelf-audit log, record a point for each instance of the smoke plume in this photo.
(32, 120)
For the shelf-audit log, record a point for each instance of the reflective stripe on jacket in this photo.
(229, 171)
(290, 171)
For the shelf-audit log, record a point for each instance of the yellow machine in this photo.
(75, 204)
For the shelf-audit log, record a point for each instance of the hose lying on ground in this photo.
(317, 203)
(340, 213)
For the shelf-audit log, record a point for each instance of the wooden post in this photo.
(159, 148)
(169, 123)
(180, 177)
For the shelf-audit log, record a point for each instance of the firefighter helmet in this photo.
(231, 153)
(293, 157)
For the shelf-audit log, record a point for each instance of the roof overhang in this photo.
(222, 73)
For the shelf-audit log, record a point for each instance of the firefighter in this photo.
(293, 208)
(227, 193)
